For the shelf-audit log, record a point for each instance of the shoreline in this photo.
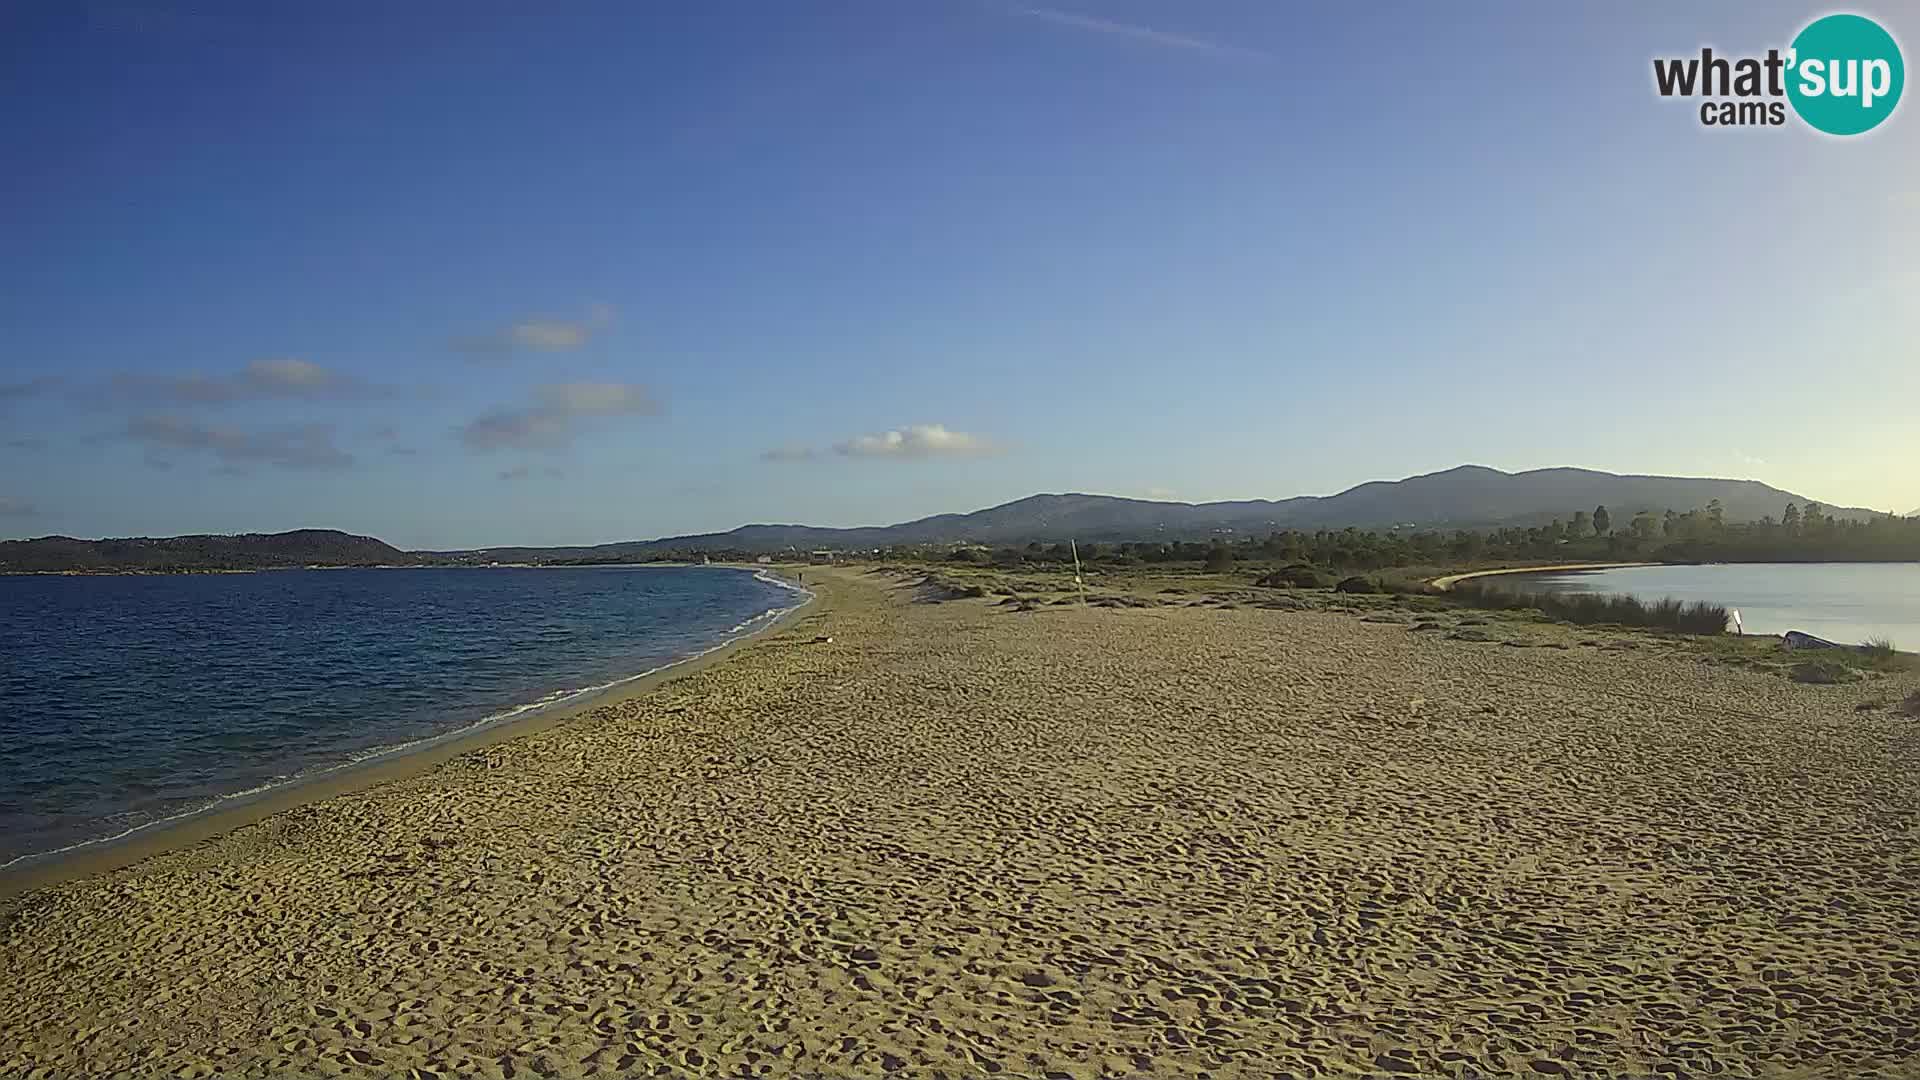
(199, 572)
(923, 837)
(1448, 581)
(104, 856)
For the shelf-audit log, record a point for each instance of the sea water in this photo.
(130, 700)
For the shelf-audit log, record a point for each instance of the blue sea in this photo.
(126, 701)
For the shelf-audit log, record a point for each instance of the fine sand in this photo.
(961, 839)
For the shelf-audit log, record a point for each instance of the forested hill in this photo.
(1469, 497)
(247, 551)
(1537, 503)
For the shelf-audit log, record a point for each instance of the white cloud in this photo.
(1161, 493)
(541, 334)
(526, 429)
(555, 419)
(306, 446)
(549, 335)
(278, 378)
(1135, 32)
(15, 391)
(596, 398)
(913, 442)
(790, 453)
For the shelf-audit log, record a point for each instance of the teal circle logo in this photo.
(1844, 74)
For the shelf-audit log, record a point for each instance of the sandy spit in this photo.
(1449, 581)
(1078, 842)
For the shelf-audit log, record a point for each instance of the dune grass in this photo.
(1594, 609)
(1822, 670)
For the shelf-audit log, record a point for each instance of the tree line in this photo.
(1801, 534)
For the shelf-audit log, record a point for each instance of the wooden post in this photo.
(1077, 579)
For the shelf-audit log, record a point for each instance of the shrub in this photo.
(1911, 706)
(1297, 576)
(1356, 585)
(1880, 655)
(967, 555)
(1823, 670)
(1589, 609)
(1220, 558)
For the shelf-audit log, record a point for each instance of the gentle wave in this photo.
(546, 702)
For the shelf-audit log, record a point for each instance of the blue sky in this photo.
(457, 275)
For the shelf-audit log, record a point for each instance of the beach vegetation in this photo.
(1293, 576)
(1822, 670)
(1878, 654)
(1597, 609)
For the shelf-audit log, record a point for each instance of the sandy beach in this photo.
(959, 839)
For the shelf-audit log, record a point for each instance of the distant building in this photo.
(822, 556)
(765, 560)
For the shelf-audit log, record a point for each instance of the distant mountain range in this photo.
(1470, 496)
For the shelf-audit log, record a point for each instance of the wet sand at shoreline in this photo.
(1083, 842)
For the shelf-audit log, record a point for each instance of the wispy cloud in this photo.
(557, 416)
(1145, 34)
(911, 443)
(790, 453)
(281, 378)
(1161, 493)
(17, 391)
(305, 446)
(10, 506)
(526, 472)
(540, 334)
(25, 444)
(389, 437)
